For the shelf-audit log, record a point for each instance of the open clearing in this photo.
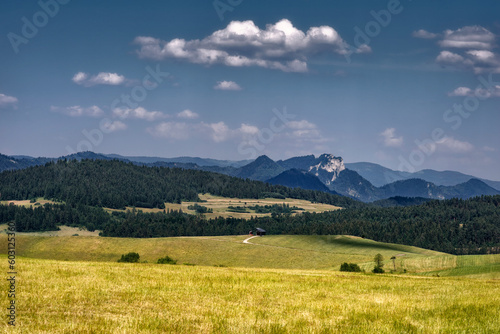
(274, 251)
(273, 284)
(220, 206)
(96, 297)
(287, 252)
(27, 203)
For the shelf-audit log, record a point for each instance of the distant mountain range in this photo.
(363, 181)
(380, 176)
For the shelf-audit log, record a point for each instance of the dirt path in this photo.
(247, 242)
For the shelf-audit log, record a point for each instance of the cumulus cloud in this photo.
(279, 46)
(217, 132)
(450, 144)
(461, 91)
(447, 57)
(471, 47)
(102, 78)
(248, 129)
(112, 126)
(6, 100)
(296, 133)
(469, 37)
(137, 113)
(227, 85)
(301, 125)
(78, 111)
(480, 92)
(390, 139)
(188, 114)
(171, 130)
(424, 34)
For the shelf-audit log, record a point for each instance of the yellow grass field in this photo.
(220, 205)
(26, 203)
(286, 252)
(96, 297)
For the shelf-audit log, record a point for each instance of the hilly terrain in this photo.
(325, 173)
(222, 285)
(305, 252)
(116, 184)
(125, 200)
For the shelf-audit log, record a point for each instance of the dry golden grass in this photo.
(287, 252)
(26, 203)
(89, 297)
(220, 205)
(64, 231)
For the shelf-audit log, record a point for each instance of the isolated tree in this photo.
(379, 259)
(378, 264)
(393, 258)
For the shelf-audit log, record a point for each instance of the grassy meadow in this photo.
(286, 252)
(98, 297)
(273, 284)
(220, 205)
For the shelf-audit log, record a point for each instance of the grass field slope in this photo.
(286, 252)
(96, 297)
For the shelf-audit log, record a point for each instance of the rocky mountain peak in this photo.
(327, 167)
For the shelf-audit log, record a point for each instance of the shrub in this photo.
(353, 267)
(166, 260)
(130, 257)
(378, 270)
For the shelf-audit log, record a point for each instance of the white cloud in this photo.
(279, 46)
(424, 34)
(188, 114)
(461, 91)
(248, 129)
(390, 139)
(79, 78)
(472, 50)
(77, 111)
(218, 131)
(447, 57)
(297, 134)
(227, 85)
(483, 56)
(114, 126)
(6, 100)
(301, 125)
(102, 78)
(449, 144)
(138, 113)
(171, 130)
(469, 37)
(478, 92)
(302, 132)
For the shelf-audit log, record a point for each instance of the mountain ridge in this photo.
(326, 173)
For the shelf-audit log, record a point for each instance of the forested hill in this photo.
(454, 226)
(116, 184)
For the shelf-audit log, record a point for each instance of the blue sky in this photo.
(406, 84)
